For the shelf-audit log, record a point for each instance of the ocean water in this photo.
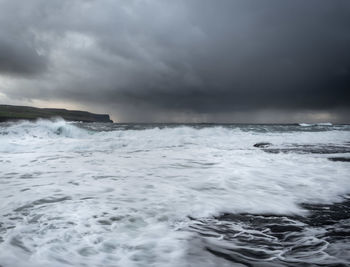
(76, 194)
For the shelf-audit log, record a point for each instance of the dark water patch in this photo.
(108, 247)
(87, 198)
(104, 222)
(25, 189)
(341, 159)
(117, 218)
(42, 201)
(58, 157)
(202, 164)
(27, 176)
(17, 242)
(87, 251)
(33, 175)
(310, 149)
(35, 218)
(11, 173)
(234, 257)
(327, 214)
(306, 149)
(15, 218)
(276, 240)
(192, 164)
(139, 151)
(99, 177)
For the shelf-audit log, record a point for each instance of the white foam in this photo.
(42, 129)
(117, 198)
(315, 124)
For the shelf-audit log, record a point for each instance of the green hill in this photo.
(9, 113)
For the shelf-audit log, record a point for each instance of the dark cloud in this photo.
(17, 57)
(165, 60)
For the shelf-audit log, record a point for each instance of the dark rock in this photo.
(262, 144)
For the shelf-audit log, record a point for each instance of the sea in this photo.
(104, 194)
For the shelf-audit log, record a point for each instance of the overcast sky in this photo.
(179, 60)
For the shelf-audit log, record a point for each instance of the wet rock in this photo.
(262, 144)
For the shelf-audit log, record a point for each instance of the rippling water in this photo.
(75, 194)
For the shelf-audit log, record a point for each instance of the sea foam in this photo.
(73, 194)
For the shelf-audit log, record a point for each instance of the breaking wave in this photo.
(42, 129)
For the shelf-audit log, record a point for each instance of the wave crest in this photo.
(43, 128)
(315, 124)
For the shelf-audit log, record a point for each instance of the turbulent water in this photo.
(75, 194)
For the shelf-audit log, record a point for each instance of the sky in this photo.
(267, 61)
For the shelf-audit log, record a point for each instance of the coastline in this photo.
(14, 113)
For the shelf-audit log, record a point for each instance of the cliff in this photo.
(9, 113)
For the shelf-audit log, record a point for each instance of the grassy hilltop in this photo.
(9, 113)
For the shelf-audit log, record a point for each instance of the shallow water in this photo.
(76, 194)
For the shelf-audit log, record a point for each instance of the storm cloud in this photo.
(193, 60)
